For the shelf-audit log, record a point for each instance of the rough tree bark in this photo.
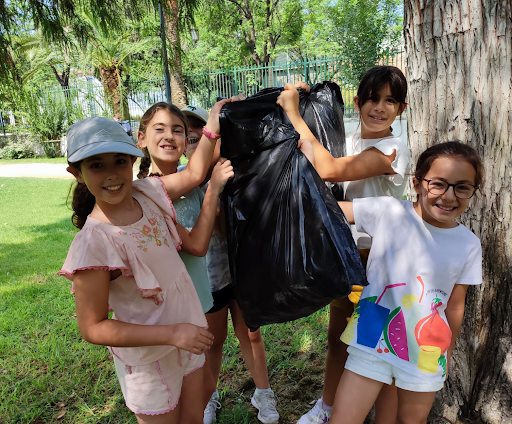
(110, 79)
(178, 90)
(459, 69)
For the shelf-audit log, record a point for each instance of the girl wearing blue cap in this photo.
(125, 259)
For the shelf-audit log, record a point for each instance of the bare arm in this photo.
(369, 163)
(91, 302)
(194, 174)
(454, 314)
(197, 240)
(215, 159)
(216, 152)
(348, 210)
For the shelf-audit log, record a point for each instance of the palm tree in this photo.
(53, 16)
(109, 52)
(179, 18)
(41, 54)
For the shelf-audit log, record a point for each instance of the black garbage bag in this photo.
(322, 110)
(290, 246)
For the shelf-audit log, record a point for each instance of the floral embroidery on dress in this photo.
(157, 231)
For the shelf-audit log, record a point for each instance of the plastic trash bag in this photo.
(322, 110)
(290, 246)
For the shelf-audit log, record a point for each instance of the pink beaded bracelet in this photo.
(210, 135)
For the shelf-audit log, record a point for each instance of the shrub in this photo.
(17, 151)
(46, 120)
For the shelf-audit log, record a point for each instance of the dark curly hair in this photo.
(145, 162)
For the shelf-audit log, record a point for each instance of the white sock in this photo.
(260, 391)
(325, 407)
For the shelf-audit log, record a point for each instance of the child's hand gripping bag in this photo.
(290, 246)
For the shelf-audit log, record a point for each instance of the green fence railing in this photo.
(204, 89)
(87, 98)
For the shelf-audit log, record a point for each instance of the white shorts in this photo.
(370, 366)
(155, 388)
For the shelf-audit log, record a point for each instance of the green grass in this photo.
(32, 160)
(44, 363)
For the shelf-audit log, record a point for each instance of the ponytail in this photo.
(83, 201)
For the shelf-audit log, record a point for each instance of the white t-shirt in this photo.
(380, 185)
(412, 269)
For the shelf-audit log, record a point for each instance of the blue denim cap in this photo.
(97, 135)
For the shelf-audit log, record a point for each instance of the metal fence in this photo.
(87, 98)
(204, 89)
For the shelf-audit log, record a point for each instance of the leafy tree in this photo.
(59, 57)
(179, 18)
(317, 39)
(50, 17)
(57, 19)
(235, 32)
(366, 30)
(109, 53)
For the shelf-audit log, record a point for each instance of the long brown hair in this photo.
(145, 162)
(83, 200)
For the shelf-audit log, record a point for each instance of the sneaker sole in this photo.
(269, 421)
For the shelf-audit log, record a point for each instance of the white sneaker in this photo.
(317, 415)
(210, 412)
(265, 403)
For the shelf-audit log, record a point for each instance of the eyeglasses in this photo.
(440, 187)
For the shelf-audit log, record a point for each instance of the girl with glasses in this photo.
(421, 264)
(375, 165)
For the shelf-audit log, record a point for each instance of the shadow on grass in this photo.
(295, 357)
(43, 360)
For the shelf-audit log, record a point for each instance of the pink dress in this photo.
(154, 288)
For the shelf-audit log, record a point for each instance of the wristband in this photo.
(210, 135)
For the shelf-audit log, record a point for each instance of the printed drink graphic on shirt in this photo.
(373, 317)
(411, 303)
(434, 337)
(348, 334)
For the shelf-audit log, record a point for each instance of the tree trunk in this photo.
(459, 69)
(62, 79)
(125, 107)
(110, 78)
(178, 90)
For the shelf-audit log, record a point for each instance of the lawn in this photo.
(47, 370)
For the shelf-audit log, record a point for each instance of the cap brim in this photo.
(101, 147)
(193, 114)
